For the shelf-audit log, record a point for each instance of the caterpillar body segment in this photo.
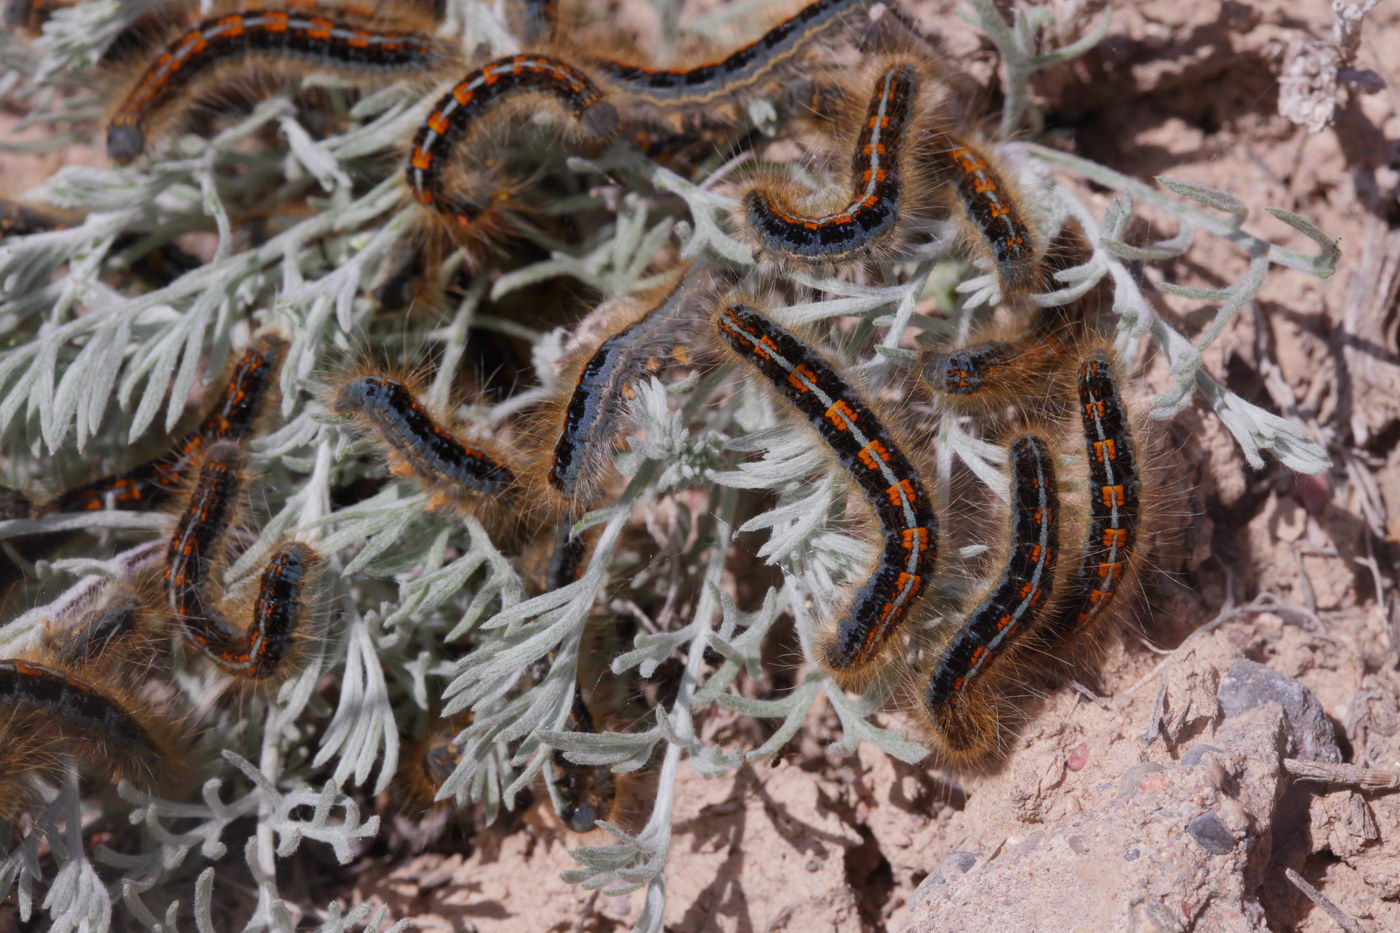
(417, 445)
(645, 336)
(990, 208)
(710, 90)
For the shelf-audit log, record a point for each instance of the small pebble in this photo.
(1211, 833)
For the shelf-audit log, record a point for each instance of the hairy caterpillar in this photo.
(417, 446)
(470, 101)
(869, 218)
(863, 447)
(233, 417)
(320, 36)
(963, 712)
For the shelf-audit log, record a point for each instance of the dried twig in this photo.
(1329, 908)
(1356, 775)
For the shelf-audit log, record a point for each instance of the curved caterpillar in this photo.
(258, 651)
(877, 182)
(320, 35)
(891, 485)
(471, 100)
(262, 650)
(962, 720)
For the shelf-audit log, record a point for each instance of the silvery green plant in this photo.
(86, 369)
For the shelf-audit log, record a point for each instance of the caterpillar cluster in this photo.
(528, 477)
(93, 687)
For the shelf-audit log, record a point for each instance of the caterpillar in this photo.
(644, 333)
(566, 557)
(323, 36)
(261, 649)
(1003, 367)
(266, 645)
(962, 720)
(994, 220)
(233, 417)
(868, 220)
(865, 449)
(669, 91)
(1115, 505)
(588, 792)
(194, 546)
(417, 447)
(50, 714)
(431, 755)
(478, 95)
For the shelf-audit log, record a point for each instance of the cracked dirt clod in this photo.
(1178, 836)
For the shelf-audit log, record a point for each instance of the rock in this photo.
(1211, 833)
(1161, 842)
(1247, 684)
